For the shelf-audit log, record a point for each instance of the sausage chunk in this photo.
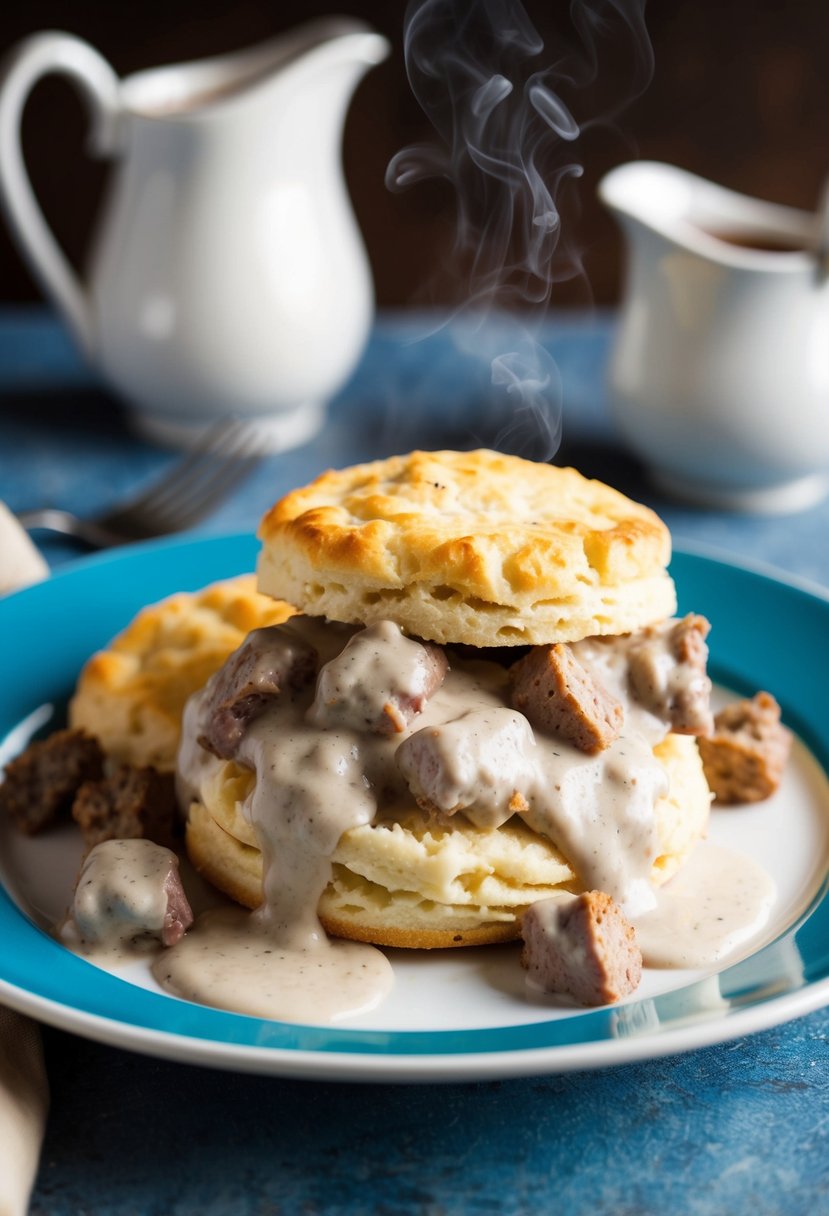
(480, 764)
(42, 781)
(179, 915)
(270, 662)
(129, 893)
(667, 671)
(379, 681)
(745, 757)
(581, 946)
(130, 803)
(559, 696)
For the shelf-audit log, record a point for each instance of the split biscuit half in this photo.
(472, 547)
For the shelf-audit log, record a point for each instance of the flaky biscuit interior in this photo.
(131, 695)
(470, 547)
(423, 882)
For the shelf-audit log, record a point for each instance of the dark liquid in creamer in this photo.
(196, 100)
(200, 98)
(762, 242)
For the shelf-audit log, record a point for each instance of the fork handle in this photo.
(67, 524)
(28, 62)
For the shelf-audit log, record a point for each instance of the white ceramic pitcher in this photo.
(228, 274)
(720, 374)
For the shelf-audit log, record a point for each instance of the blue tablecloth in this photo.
(736, 1128)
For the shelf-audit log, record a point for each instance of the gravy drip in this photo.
(233, 959)
(310, 788)
(717, 902)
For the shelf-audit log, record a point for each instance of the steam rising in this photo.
(507, 129)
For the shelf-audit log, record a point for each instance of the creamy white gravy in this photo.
(233, 960)
(717, 902)
(321, 769)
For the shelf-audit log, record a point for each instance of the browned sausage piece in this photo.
(128, 893)
(745, 757)
(41, 782)
(480, 763)
(667, 667)
(179, 916)
(559, 696)
(379, 681)
(269, 662)
(130, 803)
(581, 946)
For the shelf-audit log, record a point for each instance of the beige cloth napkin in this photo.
(20, 562)
(24, 1093)
(24, 1102)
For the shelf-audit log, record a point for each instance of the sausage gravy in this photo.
(385, 721)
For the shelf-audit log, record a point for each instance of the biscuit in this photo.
(469, 547)
(418, 882)
(131, 695)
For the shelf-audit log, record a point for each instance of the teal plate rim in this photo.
(48, 630)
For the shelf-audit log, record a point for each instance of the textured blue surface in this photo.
(738, 1128)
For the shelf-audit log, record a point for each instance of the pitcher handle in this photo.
(27, 63)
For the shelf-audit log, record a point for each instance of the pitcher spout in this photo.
(336, 51)
(694, 214)
(343, 40)
(198, 90)
(656, 196)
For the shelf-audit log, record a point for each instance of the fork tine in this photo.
(213, 442)
(226, 454)
(195, 479)
(207, 493)
(187, 492)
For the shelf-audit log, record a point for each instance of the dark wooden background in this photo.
(740, 93)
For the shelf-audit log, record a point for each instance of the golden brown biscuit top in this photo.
(501, 533)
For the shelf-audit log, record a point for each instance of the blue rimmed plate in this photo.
(459, 1015)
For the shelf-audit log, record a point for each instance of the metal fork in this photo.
(184, 494)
